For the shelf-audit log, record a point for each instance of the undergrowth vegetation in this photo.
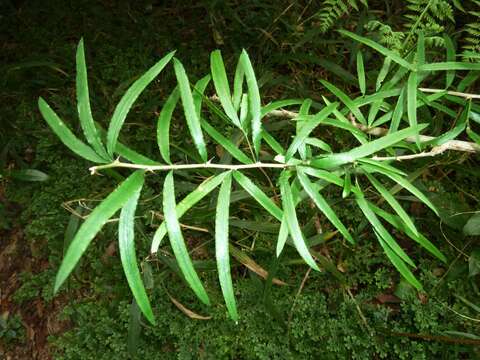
(346, 130)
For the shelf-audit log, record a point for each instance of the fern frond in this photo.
(471, 42)
(332, 10)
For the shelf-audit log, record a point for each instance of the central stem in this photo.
(118, 164)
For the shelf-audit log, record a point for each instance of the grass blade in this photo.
(83, 105)
(450, 75)
(126, 245)
(125, 104)
(65, 135)
(323, 205)
(380, 229)
(397, 113)
(292, 221)
(381, 49)
(187, 202)
(254, 101)
(258, 195)
(361, 73)
(193, 121)
(222, 88)
(307, 128)
(95, 221)
(163, 124)
(221, 246)
(238, 85)
(178, 243)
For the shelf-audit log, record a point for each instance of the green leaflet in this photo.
(258, 195)
(221, 246)
(238, 85)
(412, 103)
(323, 205)
(383, 165)
(95, 221)
(393, 203)
(367, 149)
(193, 121)
(346, 100)
(187, 202)
(222, 88)
(163, 125)
(450, 65)
(309, 123)
(272, 142)
(399, 264)
(279, 104)
(254, 101)
(282, 236)
(83, 105)
(397, 113)
(380, 229)
(129, 98)
(177, 242)
(126, 245)
(381, 49)
(405, 184)
(450, 50)
(65, 135)
(400, 225)
(292, 221)
(383, 73)
(197, 94)
(226, 143)
(361, 73)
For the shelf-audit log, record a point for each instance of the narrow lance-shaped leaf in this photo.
(361, 73)
(65, 135)
(346, 100)
(95, 221)
(187, 202)
(378, 227)
(323, 205)
(292, 221)
(450, 75)
(225, 143)
(397, 113)
(393, 203)
(400, 225)
(129, 98)
(258, 195)
(398, 263)
(222, 88)
(307, 128)
(193, 121)
(383, 73)
(255, 102)
(238, 84)
(221, 246)
(198, 91)
(163, 125)
(83, 105)
(126, 245)
(403, 182)
(367, 149)
(381, 49)
(412, 102)
(450, 65)
(178, 243)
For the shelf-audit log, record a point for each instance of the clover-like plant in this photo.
(304, 168)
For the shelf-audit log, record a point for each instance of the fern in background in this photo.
(332, 10)
(471, 45)
(386, 35)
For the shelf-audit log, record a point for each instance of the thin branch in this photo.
(207, 165)
(454, 93)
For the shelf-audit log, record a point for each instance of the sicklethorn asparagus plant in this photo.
(305, 167)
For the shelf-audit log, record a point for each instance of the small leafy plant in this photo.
(304, 167)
